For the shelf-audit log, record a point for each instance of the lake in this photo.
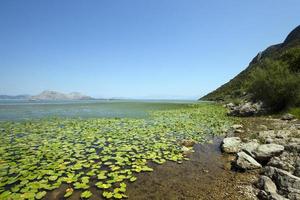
(103, 149)
(25, 109)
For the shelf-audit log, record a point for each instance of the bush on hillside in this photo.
(274, 84)
(292, 58)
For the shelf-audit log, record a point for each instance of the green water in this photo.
(24, 110)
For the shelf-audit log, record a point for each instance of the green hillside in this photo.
(278, 66)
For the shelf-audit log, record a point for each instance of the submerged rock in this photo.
(246, 162)
(231, 144)
(188, 142)
(265, 151)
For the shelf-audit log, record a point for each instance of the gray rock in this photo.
(287, 116)
(268, 189)
(284, 134)
(286, 183)
(265, 151)
(245, 110)
(267, 134)
(231, 144)
(286, 161)
(249, 147)
(263, 127)
(292, 147)
(237, 126)
(246, 162)
(266, 184)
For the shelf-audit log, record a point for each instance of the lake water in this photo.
(24, 109)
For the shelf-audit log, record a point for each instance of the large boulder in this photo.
(265, 151)
(231, 144)
(246, 162)
(249, 147)
(287, 184)
(245, 110)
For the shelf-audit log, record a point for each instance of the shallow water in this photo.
(25, 109)
(204, 177)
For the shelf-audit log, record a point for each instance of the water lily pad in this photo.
(86, 194)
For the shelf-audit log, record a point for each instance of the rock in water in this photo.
(244, 161)
(188, 143)
(265, 151)
(231, 144)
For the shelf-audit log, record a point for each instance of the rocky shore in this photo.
(272, 148)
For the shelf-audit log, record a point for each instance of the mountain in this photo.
(287, 51)
(53, 95)
(16, 97)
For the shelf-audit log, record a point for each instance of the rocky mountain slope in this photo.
(235, 87)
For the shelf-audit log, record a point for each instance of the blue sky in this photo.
(135, 48)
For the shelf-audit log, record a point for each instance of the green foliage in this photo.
(274, 84)
(292, 58)
(295, 111)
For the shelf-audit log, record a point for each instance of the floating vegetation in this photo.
(40, 155)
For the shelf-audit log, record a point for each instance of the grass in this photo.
(295, 111)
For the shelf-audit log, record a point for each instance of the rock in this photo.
(188, 142)
(284, 134)
(287, 116)
(237, 126)
(265, 151)
(286, 183)
(295, 140)
(231, 144)
(297, 167)
(246, 162)
(263, 127)
(268, 189)
(186, 150)
(267, 134)
(229, 105)
(286, 161)
(266, 184)
(249, 147)
(245, 110)
(292, 147)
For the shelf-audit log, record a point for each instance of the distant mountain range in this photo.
(49, 95)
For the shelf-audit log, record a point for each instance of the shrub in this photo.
(274, 84)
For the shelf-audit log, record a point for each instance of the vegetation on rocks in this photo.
(275, 84)
(272, 77)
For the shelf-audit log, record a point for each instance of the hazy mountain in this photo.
(54, 95)
(9, 97)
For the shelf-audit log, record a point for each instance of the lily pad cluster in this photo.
(38, 156)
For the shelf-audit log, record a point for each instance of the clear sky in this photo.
(135, 48)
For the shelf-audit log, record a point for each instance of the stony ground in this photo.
(270, 146)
